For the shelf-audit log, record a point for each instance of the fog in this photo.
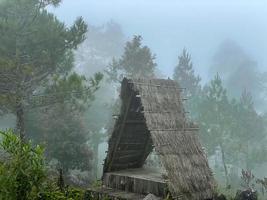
(60, 81)
(223, 36)
(169, 26)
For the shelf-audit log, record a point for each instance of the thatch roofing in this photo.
(152, 116)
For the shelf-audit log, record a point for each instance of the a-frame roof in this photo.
(152, 116)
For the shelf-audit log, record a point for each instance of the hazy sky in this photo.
(169, 25)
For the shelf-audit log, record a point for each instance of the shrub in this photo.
(22, 168)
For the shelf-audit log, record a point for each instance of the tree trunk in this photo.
(20, 121)
(224, 165)
(248, 165)
(95, 167)
(21, 194)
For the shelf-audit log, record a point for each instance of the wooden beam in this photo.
(132, 143)
(157, 85)
(115, 147)
(124, 164)
(126, 152)
(135, 121)
(182, 129)
(129, 156)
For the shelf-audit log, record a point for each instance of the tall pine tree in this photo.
(215, 123)
(185, 75)
(137, 61)
(249, 134)
(35, 48)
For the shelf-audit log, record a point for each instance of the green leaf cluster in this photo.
(230, 129)
(22, 168)
(137, 61)
(35, 47)
(185, 75)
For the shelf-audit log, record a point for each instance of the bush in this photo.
(22, 168)
(23, 174)
(68, 194)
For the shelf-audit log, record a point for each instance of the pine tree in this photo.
(234, 127)
(184, 74)
(248, 132)
(35, 48)
(61, 124)
(214, 118)
(137, 61)
(239, 70)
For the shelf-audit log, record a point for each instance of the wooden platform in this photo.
(141, 181)
(103, 192)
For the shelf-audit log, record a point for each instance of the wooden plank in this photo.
(132, 143)
(157, 85)
(124, 165)
(182, 129)
(125, 152)
(141, 173)
(135, 137)
(140, 181)
(131, 146)
(120, 132)
(129, 156)
(113, 194)
(135, 121)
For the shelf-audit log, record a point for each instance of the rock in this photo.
(151, 197)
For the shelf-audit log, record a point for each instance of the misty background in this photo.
(169, 26)
(223, 37)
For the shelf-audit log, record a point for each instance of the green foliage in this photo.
(235, 127)
(34, 43)
(23, 173)
(232, 127)
(36, 70)
(136, 62)
(68, 194)
(239, 71)
(63, 131)
(213, 115)
(184, 74)
(61, 126)
(72, 194)
(74, 90)
(97, 183)
(35, 48)
(22, 170)
(168, 197)
(248, 136)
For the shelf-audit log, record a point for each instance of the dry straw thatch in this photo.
(152, 116)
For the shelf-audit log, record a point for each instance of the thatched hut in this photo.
(152, 116)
